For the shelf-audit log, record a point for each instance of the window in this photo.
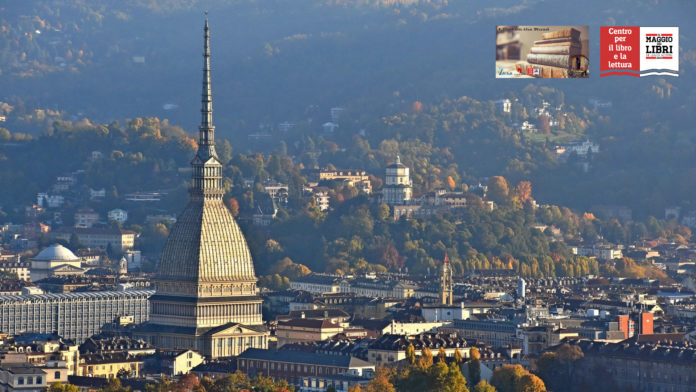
(38, 380)
(30, 380)
(56, 375)
(20, 380)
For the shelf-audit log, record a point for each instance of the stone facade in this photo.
(206, 296)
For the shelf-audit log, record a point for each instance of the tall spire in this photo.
(207, 129)
(207, 169)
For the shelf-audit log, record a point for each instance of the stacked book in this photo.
(553, 55)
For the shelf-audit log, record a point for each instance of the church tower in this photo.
(397, 185)
(206, 297)
(446, 282)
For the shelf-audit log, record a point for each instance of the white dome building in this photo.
(397, 188)
(55, 260)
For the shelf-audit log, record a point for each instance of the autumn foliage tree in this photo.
(530, 383)
(381, 382)
(498, 190)
(422, 375)
(450, 183)
(483, 386)
(514, 378)
(524, 191)
(233, 205)
(474, 365)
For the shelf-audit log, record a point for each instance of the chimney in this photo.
(646, 323)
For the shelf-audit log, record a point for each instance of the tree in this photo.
(447, 378)
(233, 205)
(58, 387)
(483, 386)
(331, 388)
(411, 354)
(426, 359)
(380, 383)
(441, 355)
(188, 382)
(383, 212)
(498, 190)
(75, 243)
(355, 388)
(556, 368)
(114, 385)
(450, 182)
(505, 377)
(524, 191)
(474, 364)
(545, 124)
(458, 357)
(122, 373)
(530, 383)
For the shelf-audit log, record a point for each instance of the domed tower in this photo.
(397, 187)
(49, 260)
(206, 296)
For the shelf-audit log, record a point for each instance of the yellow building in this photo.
(109, 365)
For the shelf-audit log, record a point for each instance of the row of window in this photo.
(289, 367)
(30, 380)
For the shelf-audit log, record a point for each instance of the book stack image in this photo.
(554, 56)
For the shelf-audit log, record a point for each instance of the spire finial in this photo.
(446, 260)
(398, 159)
(207, 130)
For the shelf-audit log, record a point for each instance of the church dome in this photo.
(56, 252)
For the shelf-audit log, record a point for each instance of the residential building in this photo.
(336, 316)
(304, 330)
(356, 178)
(111, 365)
(462, 311)
(277, 191)
(536, 339)
(601, 252)
(499, 333)
(22, 377)
(175, 363)
(635, 366)
(391, 348)
(86, 217)
(293, 366)
(120, 240)
(503, 105)
(371, 287)
(118, 215)
(95, 194)
(11, 263)
(49, 200)
(321, 197)
(317, 283)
